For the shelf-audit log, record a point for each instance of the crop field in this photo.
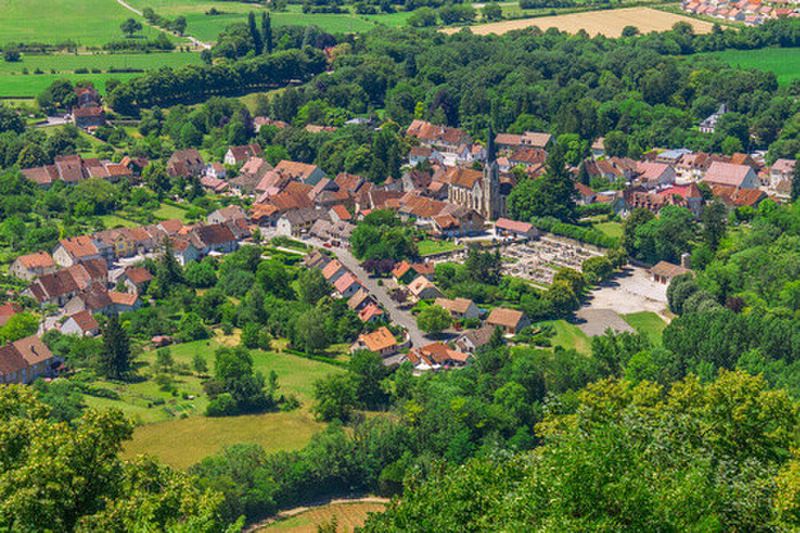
(784, 62)
(86, 22)
(608, 22)
(348, 517)
(29, 77)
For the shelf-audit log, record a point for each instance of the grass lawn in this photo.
(612, 229)
(784, 62)
(167, 212)
(570, 336)
(114, 221)
(86, 22)
(647, 323)
(429, 247)
(173, 428)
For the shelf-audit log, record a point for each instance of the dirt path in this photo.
(283, 515)
(196, 42)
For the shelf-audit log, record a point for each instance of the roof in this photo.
(507, 318)
(341, 212)
(231, 212)
(457, 305)
(241, 153)
(331, 268)
(123, 298)
(668, 270)
(85, 321)
(727, 173)
(463, 177)
(428, 132)
(785, 166)
(420, 284)
(528, 155)
(80, 246)
(536, 139)
(513, 225)
(369, 312)
(345, 281)
(479, 337)
(360, 296)
(138, 275)
(650, 170)
(171, 226)
(11, 360)
(401, 269)
(36, 260)
(379, 340)
(7, 310)
(33, 350)
(295, 169)
(214, 234)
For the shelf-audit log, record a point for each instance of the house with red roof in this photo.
(32, 266)
(82, 324)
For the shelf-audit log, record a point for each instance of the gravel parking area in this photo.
(596, 322)
(631, 292)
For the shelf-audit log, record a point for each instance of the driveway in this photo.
(400, 316)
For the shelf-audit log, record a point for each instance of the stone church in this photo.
(478, 190)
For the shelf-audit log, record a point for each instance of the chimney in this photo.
(686, 260)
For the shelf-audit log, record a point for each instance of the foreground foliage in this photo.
(60, 477)
(695, 457)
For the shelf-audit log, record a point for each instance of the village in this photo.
(452, 189)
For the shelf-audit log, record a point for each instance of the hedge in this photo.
(585, 234)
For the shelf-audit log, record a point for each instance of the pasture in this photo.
(29, 77)
(207, 27)
(85, 22)
(608, 22)
(173, 428)
(784, 62)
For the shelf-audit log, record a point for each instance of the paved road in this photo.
(400, 316)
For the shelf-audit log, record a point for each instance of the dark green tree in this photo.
(266, 32)
(258, 42)
(116, 362)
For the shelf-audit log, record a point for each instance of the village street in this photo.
(400, 316)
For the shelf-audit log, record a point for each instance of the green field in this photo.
(167, 212)
(647, 323)
(207, 27)
(570, 336)
(19, 86)
(612, 229)
(429, 247)
(85, 22)
(15, 83)
(173, 428)
(784, 62)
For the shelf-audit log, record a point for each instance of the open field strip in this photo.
(607, 22)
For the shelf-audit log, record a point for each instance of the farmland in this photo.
(608, 22)
(29, 77)
(348, 517)
(172, 426)
(85, 22)
(207, 27)
(784, 62)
